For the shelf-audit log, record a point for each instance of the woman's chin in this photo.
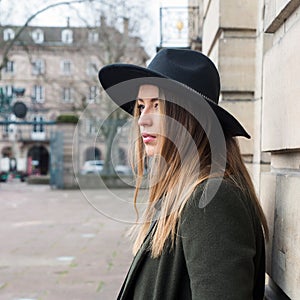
(151, 150)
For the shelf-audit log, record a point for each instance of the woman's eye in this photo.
(156, 105)
(141, 107)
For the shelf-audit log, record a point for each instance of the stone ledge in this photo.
(274, 17)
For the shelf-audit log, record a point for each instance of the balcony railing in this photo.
(25, 132)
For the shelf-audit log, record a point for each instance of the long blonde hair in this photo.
(184, 162)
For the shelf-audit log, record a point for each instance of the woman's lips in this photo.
(148, 138)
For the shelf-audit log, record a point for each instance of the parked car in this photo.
(123, 170)
(96, 167)
(3, 176)
(92, 167)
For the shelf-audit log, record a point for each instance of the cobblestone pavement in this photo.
(62, 244)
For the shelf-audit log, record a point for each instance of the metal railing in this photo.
(23, 131)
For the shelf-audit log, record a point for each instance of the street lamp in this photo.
(181, 33)
(179, 26)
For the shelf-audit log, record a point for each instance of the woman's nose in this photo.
(145, 119)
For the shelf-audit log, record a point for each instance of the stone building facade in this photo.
(255, 45)
(57, 67)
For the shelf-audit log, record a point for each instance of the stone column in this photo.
(70, 153)
(229, 37)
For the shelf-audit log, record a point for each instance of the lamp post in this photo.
(11, 111)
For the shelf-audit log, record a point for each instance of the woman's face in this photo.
(149, 107)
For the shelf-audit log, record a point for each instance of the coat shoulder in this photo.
(220, 201)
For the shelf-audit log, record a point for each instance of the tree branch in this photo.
(22, 28)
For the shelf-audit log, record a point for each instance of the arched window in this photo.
(67, 36)
(92, 153)
(38, 36)
(8, 34)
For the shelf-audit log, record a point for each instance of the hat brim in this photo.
(121, 82)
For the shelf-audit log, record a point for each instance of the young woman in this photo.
(201, 235)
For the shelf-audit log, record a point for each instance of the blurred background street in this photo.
(55, 245)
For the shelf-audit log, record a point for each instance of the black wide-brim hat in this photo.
(189, 74)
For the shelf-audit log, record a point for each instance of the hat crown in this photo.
(190, 68)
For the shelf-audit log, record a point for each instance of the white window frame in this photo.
(38, 36)
(67, 36)
(67, 95)
(38, 94)
(9, 90)
(93, 37)
(91, 127)
(38, 67)
(92, 69)
(92, 94)
(66, 67)
(8, 34)
(9, 67)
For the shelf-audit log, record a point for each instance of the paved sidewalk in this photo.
(58, 245)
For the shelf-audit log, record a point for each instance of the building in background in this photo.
(58, 67)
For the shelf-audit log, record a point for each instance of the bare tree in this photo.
(115, 46)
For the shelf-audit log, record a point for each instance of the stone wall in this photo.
(255, 45)
(280, 191)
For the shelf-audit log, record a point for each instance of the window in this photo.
(92, 94)
(93, 37)
(92, 69)
(8, 34)
(38, 128)
(6, 126)
(8, 90)
(37, 67)
(38, 36)
(66, 67)
(38, 94)
(67, 36)
(67, 95)
(91, 127)
(9, 67)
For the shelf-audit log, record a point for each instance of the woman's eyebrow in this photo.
(152, 99)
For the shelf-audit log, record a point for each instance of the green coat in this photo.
(219, 254)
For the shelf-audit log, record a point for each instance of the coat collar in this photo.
(136, 263)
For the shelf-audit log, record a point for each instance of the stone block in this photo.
(286, 161)
(279, 193)
(210, 26)
(267, 200)
(280, 113)
(214, 54)
(237, 63)
(205, 4)
(285, 268)
(232, 10)
(244, 112)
